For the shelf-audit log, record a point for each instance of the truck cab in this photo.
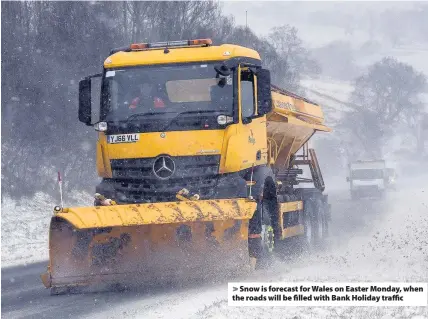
(179, 114)
(367, 178)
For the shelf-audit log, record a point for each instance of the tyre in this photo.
(267, 241)
(327, 219)
(320, 223)
(308, 240)
(59, 291)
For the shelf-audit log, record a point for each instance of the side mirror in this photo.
(264, 95)
(85, 101)
(85, 98)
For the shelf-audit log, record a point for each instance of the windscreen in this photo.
(165, 91)
(366, 174)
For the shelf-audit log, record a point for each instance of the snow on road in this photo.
(371, 241)
(392, 246)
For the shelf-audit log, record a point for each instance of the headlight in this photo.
(101, 126)
(221, 119)
(224, 119)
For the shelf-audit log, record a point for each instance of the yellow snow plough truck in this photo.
(201, 159)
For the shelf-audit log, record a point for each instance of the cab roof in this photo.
(130, 56)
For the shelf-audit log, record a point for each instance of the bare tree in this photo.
(295, 59)
(48, 46)
(337, 60)
(388, 96)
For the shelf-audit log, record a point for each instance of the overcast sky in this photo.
(263, 15)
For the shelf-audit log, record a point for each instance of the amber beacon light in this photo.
(169, 44)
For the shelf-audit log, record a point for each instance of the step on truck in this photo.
(199, 158)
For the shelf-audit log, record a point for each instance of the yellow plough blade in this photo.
(146, 243)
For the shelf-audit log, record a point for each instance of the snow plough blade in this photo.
(104, 246)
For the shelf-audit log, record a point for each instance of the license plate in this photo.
(123, 138)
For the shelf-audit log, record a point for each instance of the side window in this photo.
(247, 94)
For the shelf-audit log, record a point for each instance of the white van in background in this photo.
(367, 178)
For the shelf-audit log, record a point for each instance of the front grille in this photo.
(367, 188)
(134, 180)
(185, 167)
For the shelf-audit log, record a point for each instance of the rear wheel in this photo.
(320, 222)
(327, 218)
(314, 221)
(308, 239)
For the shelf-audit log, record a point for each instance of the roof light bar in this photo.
(168, 44)
(207, 42)
(139, 46)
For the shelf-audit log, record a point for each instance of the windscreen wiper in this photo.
(186, 112)
(134, 116)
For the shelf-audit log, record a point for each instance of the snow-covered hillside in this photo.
(332, 95)
(25, 226)
(414, 56)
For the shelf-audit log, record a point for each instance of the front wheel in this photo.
(267, 242)
(65, 290)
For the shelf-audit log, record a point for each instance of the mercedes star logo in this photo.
(163, 167)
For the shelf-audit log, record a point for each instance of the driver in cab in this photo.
(146, 97)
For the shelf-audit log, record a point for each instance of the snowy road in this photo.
(370, 241)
